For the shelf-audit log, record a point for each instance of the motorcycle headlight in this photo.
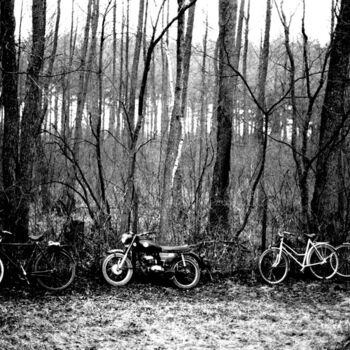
(126, 237)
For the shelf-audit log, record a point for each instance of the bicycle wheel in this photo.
(323, 261)
(54, 270)
(270, 271)
(2, 270)
(343, 252)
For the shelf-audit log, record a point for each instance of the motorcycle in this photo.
(178, 263)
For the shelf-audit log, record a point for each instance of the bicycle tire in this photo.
(326, 269)
(2, 270)
(343, 252)
(54, 269)
(273, 274)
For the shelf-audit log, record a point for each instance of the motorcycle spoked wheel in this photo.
(186, 272)
(115, 275)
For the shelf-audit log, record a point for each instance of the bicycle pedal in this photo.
(24, 279)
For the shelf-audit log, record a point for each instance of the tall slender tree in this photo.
(176, 132)
(130, 124)
(334, 126)
(11, 115)
(260, 123)
(219, 194)
(32, 117)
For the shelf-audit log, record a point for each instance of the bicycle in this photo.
(320, 257)
(51, 265)
(343, 252)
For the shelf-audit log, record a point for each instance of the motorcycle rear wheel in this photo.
(115, 275)
(186, 272)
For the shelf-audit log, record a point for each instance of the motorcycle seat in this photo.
(175, 248)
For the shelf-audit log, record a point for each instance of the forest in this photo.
(120, 121)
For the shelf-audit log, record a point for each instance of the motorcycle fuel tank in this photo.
(149, 246)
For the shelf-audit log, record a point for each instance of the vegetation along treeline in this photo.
(122, 121)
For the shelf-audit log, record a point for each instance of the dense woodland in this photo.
(114, 124)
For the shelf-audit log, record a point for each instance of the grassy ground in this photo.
(225, 314)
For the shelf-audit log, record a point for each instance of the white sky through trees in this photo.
(318, 14)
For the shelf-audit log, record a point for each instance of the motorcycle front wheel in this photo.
(115, 274)
(186, 272)
(2, 270)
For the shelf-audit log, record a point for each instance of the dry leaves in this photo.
(218, 315)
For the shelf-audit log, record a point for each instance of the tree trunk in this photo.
(179, 212)
(32, 116)
(246, 120)
(175, 137)
(130, 125)
(9, 201)
(219, 194)
(261, 124)
(44, 171)
(104, 215)
(112, 117)
(82, 85)
(166, 79)
(301, 125)
(203, 139)
(326, 207)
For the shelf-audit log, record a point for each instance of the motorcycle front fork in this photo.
(121, 263)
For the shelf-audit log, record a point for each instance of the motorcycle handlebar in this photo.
(145, 233)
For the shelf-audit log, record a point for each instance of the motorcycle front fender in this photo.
(113, 251)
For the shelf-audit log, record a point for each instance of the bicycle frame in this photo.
(290, 252)
(16, 263)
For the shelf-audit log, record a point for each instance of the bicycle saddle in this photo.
(310, 235)
(37, 237)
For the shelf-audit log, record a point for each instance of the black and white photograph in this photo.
(174, 174)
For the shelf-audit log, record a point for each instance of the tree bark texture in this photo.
(219, 195)
(174, 138)
(11, 115)
(328, 216)
(130, 127)
(261, 123)
(32, 116)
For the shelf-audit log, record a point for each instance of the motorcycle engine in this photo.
(151, 263)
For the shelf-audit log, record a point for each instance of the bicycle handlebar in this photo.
(6, 232)
(282, 233)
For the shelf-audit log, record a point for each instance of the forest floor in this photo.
(220, 314)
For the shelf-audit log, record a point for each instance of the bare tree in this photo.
(11, 115)
(219, 196)
(32, 117)
(135, 130)
(203, 137)
(130, 124)
(301, 121)
(176, 132)
(326, 204)
(260, 120)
